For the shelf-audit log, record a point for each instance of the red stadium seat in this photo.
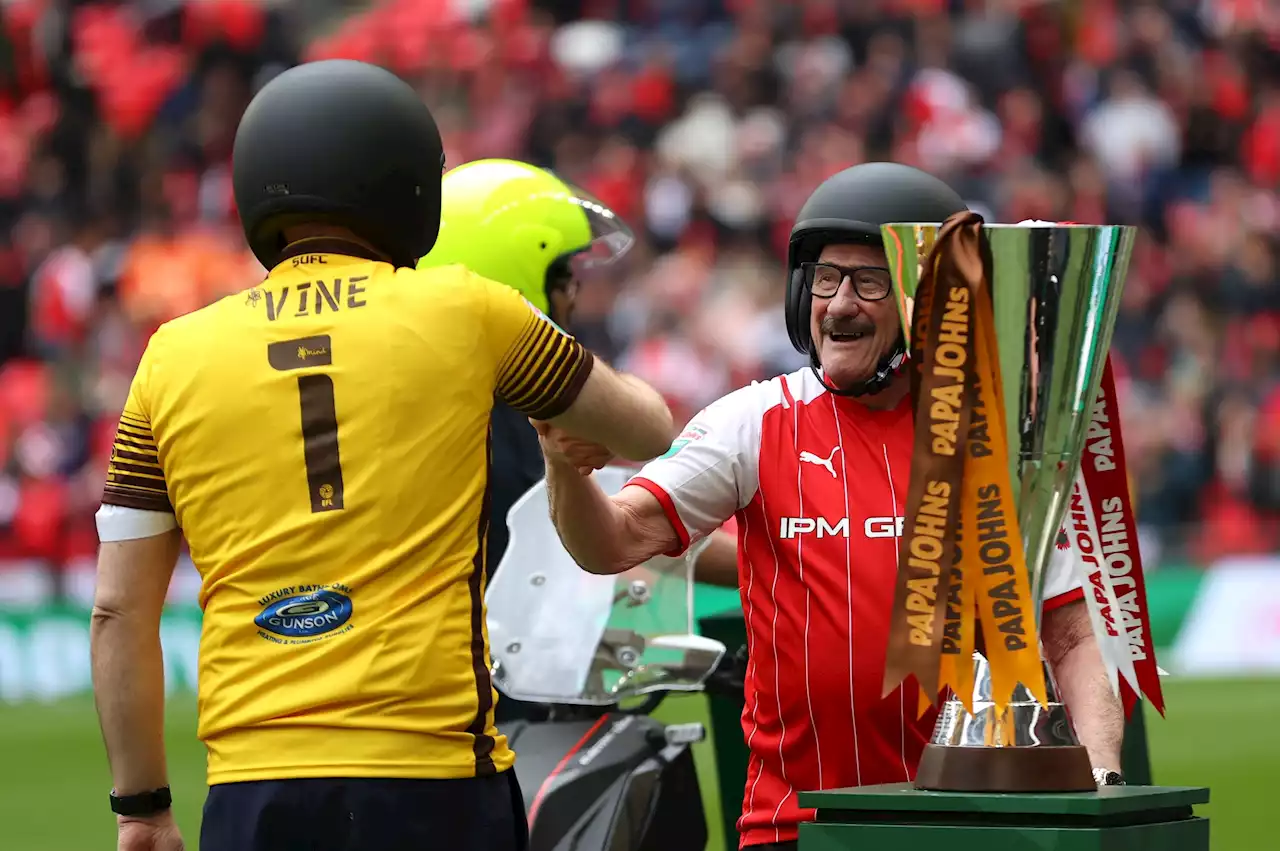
(37, 525)
(240, 23)
(356, 40)
(468, 50)
(79, 542)
(102, 37)
(101, 436)
(132, 91)
(39, 113)
(24, 391)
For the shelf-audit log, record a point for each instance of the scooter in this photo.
(614, 778)
(599, 654)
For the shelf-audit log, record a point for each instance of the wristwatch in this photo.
(143, 803)
(1107, 777)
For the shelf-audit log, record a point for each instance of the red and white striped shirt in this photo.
(818, 485)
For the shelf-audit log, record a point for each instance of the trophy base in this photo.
(1044, 768)
(1023, 747)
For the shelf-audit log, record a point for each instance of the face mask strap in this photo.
(885, 371)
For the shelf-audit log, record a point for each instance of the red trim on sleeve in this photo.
(669, 509)
(1063, 599)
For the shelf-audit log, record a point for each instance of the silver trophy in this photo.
(1055, 293)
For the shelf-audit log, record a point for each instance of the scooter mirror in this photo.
(687, 642)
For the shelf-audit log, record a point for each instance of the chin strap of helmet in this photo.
(885, 371)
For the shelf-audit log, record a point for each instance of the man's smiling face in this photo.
(853, 334)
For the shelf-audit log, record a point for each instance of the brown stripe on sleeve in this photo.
(530, 376)
(134, 445)
(134, 476)
(557, 374)
(548, 369)
(544, 371)
(512, 360)
(136, 455)
(135, 434)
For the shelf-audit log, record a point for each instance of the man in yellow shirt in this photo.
(321, 442)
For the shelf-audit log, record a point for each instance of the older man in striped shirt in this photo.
(814, 466)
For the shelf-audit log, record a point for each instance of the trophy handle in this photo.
(1024, 748)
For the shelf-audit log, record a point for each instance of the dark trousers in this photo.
(469, 814)
(772, 846)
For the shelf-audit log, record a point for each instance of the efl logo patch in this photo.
(689, 435)
(675, 447)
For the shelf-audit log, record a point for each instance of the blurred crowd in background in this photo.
(705, 124)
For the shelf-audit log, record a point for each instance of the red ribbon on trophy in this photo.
(1102, 528)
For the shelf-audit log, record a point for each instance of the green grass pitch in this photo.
(54, 780)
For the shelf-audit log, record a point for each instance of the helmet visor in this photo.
(611, 238)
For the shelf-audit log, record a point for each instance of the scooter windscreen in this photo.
(561, 635)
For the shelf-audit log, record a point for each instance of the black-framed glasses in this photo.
(871, 283)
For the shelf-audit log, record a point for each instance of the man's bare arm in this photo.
(1072, 652)
(621, 413)
(549, 376)
(718, 563)
(606, 534)
(128, 665)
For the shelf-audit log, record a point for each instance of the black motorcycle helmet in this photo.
(850, 207)
(343, 143)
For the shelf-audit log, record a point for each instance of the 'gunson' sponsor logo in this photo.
(305, 611)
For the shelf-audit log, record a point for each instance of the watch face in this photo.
(1109, 778)
(1106, 777)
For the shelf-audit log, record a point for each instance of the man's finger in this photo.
(593, 459)
(585, 449)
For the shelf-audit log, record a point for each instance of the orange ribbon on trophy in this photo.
(962, 543)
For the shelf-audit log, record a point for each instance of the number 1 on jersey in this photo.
(319, 417)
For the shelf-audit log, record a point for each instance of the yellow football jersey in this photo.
(322, 442)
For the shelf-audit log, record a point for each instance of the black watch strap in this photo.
(143, 803)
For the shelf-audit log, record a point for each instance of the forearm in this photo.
(591, 526)
(128, 689)
(718, 563)
(622, 413)
(1096, 712)
(644, 426)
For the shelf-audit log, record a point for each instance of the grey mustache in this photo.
(835, 328)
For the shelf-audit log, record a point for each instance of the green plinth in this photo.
(899, 817)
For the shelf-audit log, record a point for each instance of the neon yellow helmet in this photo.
(522, 226)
